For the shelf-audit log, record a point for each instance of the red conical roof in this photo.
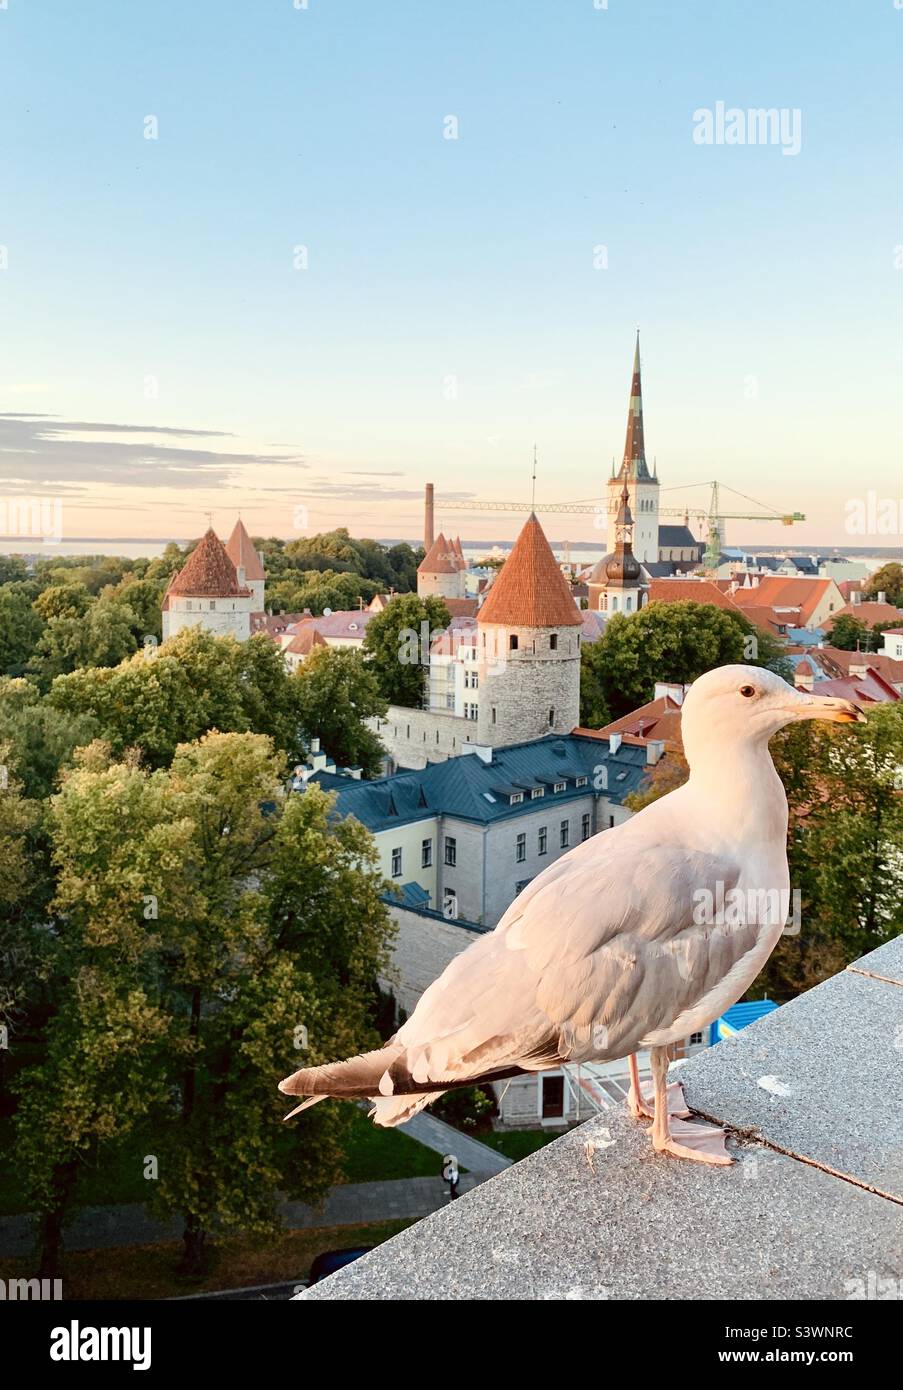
(241, 552)
(208, 572)
(530, 590)
(441, 558)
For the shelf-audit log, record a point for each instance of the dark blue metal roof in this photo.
(470, 789)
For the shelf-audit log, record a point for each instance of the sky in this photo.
(370, 245)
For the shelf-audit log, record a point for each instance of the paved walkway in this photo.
(435, 1134)
(353, 1204)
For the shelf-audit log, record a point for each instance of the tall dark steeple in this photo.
(634, 462)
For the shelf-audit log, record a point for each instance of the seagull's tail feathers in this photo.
(385, 1078)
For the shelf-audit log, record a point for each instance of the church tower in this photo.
(616, 584)
(528, 647)
(642, 486)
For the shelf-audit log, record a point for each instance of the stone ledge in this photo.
(635, 1225)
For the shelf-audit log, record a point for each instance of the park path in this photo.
(435, 1134)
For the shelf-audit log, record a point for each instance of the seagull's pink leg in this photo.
(639, 1106)
(700, 1143)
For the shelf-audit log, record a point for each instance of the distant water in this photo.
(583, 552)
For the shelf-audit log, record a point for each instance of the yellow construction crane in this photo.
(713, 518)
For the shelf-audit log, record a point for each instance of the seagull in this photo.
(634, 939)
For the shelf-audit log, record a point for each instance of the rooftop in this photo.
(470, 789)
(530, 590)
(812, 1209)
(207, 573)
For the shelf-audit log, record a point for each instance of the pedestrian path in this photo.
(435, 1134)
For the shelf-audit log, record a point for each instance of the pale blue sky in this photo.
(764, 285)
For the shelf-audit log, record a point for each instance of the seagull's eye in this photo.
(748, 690)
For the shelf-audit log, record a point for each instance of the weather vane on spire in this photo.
(533, 495)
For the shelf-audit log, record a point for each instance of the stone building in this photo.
(442, 571)
(206, 593)
(519, 679)
(528, 647)
(248, 564)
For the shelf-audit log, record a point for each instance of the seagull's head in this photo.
(747, 704)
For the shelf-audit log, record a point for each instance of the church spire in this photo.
(634, 464)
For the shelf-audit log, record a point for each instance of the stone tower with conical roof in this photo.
(642, 486)
(616, 584)
(248, 564)
(441, 571)
(206, 593)
(528, 647)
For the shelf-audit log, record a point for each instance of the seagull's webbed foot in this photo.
(699, 1143)
(640, 1102)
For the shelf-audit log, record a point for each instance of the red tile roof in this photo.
(462, 607)
(870, 688)
(530, 590)
(868, 613)
(441, 558)
(696, 590)
(776, 591)
(240, 550)
(208, 572)
(659, 719)
(305, 639)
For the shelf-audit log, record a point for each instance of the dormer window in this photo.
(560, 786)
(536, 793)
(580, 781)
(516, 798)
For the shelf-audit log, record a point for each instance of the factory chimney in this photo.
(428, 536)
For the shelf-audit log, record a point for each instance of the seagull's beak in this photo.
(829, 707)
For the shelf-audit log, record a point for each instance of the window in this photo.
(536, 793)
(695, 1038)
(512, 642)
(565, 835)
(553, 642)
(474, 680)
(560, 786)
(426, 854)
(521, 851)
(584, 826)
(451, 851)
(493, 714)
(450, 699)
(212, 604)
(396, 863)
(551, 717)
(449, 903)
(611, 822)
(580, 781)
(515, 798)
(543, 840)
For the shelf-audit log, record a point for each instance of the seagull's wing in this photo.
(601, 951)
(590, 959)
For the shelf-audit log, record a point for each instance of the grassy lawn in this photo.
(148, 1271)
(519, 1143)
(372, 1155)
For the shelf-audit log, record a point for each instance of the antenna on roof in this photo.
(533, 497)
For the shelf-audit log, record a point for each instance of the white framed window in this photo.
(520, 853)
(542, 840)
(396, 863)
(565, 834)
(426, 854)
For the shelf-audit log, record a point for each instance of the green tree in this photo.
(193, 683)
(40, 739)
(66, 600)
(848, 633)
(397, 644)
(338, 692)
(845, 832)
(20, 628)
(887, 580)
(666, 642)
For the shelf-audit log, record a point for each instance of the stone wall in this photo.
(414, 737)
(425, 944)
(522, 686)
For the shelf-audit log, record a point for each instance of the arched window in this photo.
(553, 642)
